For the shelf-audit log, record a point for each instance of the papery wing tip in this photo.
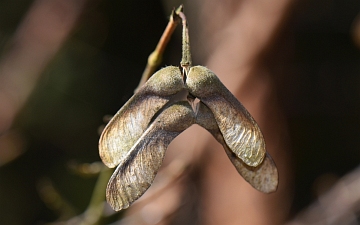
(272, 181)
(104, 152)
(105, 157)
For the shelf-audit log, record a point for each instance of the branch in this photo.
(155, 57)
(340, 205)
(186, 62)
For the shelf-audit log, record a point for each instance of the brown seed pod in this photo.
(138, 168)
(240, 131)
(130, 122)
(138, 135)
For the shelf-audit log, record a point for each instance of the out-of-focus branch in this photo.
(94, 212)
(356, 30)
(40, 35)
(340, 205)
(53, 199)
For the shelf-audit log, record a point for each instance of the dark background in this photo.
(100, 65)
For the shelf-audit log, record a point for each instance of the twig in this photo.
(94, 212)
(186, 62)
(155, 57)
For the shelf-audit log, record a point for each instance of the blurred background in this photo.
(65, 65)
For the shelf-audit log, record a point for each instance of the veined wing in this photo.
(137, 170)
(129, 123)
(240, 131)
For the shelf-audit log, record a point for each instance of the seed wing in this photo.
(130, 122)
(138, 169)
(264, 177)
(240, 131)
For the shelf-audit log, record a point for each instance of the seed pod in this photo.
(137, 170)
(130, 122)
(240, 131)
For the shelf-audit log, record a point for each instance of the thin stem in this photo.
(94, 211)
(186, 62)
(155, 57)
